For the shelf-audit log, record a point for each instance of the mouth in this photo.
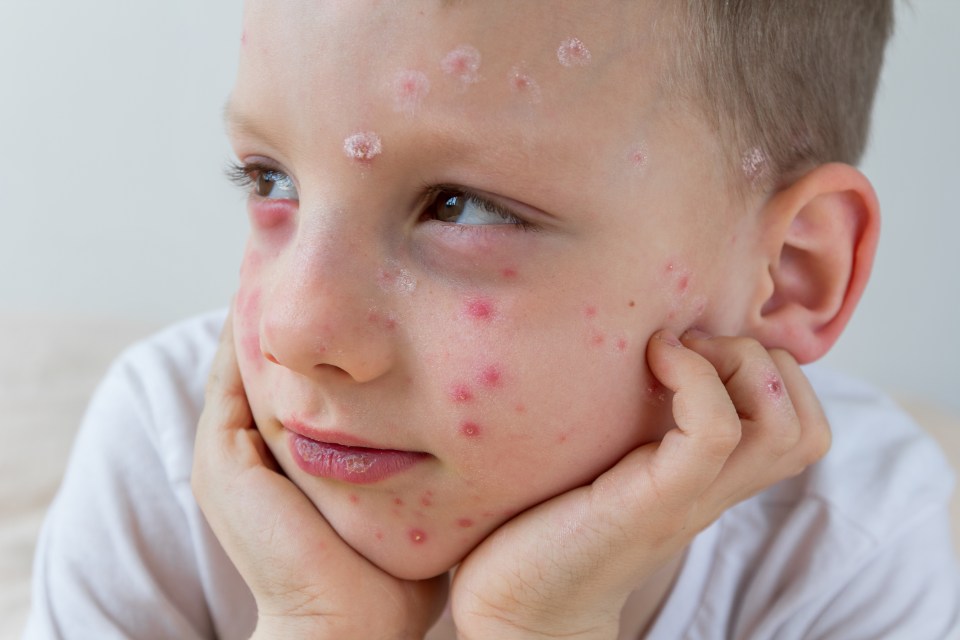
(339, 457)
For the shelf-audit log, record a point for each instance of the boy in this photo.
(490, 245)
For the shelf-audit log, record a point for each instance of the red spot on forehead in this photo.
(417, 536)
(479, 308)
(470, 429)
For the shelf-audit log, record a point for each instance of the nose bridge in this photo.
(318, 301)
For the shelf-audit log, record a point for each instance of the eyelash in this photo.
(245, 175)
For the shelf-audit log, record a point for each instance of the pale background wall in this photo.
(112, 201)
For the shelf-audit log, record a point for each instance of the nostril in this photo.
(270, 357)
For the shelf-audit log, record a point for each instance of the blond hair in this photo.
(788, 84)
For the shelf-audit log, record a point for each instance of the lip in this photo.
(337, 456)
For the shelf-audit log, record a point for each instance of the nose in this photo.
(320, 314)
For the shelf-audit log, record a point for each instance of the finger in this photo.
(784, 428)
(691, 456)
(756, 387)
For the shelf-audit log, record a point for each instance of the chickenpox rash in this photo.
(573, 53)
(387, 321)
(461, 393)
(417, 536)
(427, 499)
(490, 377)
(410, 87)
(464, 523)
(773, 386)
(509, 273)
(398, 502)
(523, 84)
(393, 277)
(590, 312)
(480, 309)
(638, 157)
(362, 146)
(754, 164)
(462, 64)
(354, 498)
(470, 429)
(621, 345)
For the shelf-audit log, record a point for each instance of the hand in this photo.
(307, 582)
(745, 417)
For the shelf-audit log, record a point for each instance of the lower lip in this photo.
(357, 465)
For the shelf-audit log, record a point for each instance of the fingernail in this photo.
(669, 338)
(696, 334)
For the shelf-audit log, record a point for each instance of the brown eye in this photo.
(274, 185)
(448, 206)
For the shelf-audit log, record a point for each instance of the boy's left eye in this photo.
(459, 207)
(263, 181)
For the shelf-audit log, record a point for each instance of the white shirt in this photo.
(858, 546)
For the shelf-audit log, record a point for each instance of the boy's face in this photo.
(466, 288)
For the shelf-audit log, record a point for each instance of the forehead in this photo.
(521, 86)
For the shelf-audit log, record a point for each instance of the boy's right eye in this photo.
(264, 182)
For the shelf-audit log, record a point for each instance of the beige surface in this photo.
(49, 368)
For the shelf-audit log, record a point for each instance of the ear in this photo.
(819, 236)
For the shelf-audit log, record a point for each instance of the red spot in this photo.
(621, 344)
(774, 386)
(465, 523)
(669, 267)
(509, 273)
(398, 502)
(656, 392)
(425, 500)
(597, 339)
(638, 158)
(590, 312)
(520, 408)
(355, 499)
(379, 535)
(479, 308)
(418, 536)
(683, 283)
(562, 438)
(470, 429)
(490, 376)
(461, 393)
(632, 304)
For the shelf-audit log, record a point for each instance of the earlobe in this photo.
(820, 234)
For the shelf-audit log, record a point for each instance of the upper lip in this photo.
(330, 436)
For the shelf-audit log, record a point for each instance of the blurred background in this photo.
(114, 207)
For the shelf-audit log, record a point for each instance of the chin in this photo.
(402, 562)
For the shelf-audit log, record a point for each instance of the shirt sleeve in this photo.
(114, 558)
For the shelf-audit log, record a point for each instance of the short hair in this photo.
(788, 84)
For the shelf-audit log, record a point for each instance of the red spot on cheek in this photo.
(509, 273)
(426, 499)
(379, 535)
(398, 502)
(597, 339)
(490, 376)
(354, 498)
(683, 283)
(621, 345)
(461, 393)
(465, 523)
(480, 309)
(470, 429)
(418, 536)
(520, 408)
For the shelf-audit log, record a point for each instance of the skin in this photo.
(537, 365)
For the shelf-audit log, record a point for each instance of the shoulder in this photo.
(160, 382)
